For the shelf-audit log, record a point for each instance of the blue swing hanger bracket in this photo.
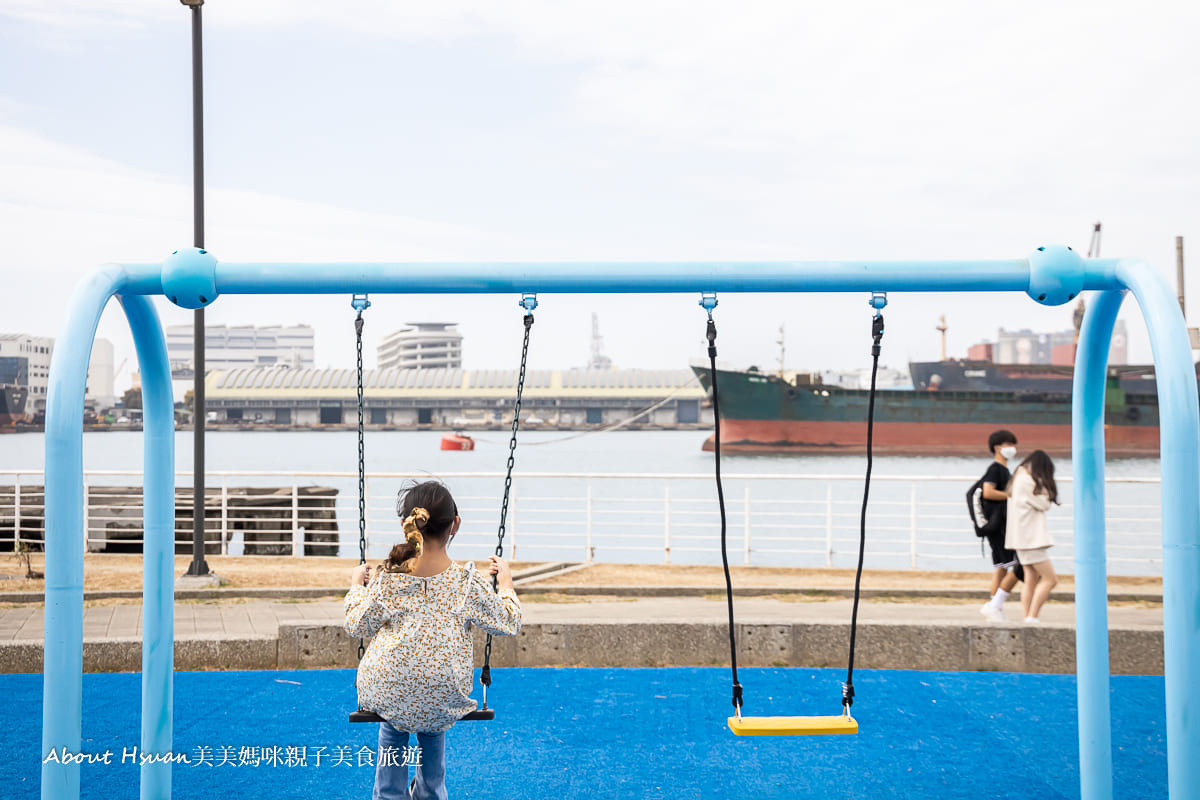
(360, 303)
(708, 301)
(528, 301)
(878, 301)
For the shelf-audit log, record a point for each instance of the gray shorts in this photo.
(1035, 556)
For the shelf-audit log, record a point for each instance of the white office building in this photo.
(27, 362)
(101, 375)
(236, 346)
(422, 345)
(35, 352)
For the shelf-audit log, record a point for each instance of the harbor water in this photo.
(640, 496)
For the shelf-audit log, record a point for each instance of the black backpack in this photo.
(983, 525)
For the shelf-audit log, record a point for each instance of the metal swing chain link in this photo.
(512, 443)
(485, 676)
(362, 464)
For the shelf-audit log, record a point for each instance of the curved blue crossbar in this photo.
(1050, 275)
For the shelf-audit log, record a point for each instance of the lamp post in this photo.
(198, 567)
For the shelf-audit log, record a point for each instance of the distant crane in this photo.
(1094, 244)
(598, 359)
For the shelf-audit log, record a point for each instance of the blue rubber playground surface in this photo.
(598, 733)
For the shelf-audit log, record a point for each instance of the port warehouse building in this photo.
(454, 397)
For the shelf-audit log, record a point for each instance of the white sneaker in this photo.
(992, 613)
(1032, 621)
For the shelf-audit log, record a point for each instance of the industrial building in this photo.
(1029, 347)
(454, 398)
(422, 345)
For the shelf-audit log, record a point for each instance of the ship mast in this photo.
(1093, 251)
(942, 330)
(782, 349)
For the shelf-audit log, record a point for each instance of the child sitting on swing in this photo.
(417, 673)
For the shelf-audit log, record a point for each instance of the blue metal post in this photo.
(1179, 428)
(1091, 589)
(158, 549)
(63, 649)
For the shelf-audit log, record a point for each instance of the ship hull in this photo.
(765, 414)
(914, 438)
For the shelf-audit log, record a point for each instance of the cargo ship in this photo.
(12, 404)
(796, 413)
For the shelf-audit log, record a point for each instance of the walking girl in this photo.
(1030, 494)
(418, 671)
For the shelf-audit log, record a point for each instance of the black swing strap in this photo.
(878, 301)
(709, 301)
(529, 303)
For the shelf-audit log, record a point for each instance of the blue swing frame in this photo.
(1051, 275)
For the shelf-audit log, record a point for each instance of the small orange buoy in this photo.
(457, 441)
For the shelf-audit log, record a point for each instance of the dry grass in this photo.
(105, 571)
(786, 597)
(558, 597)
(804, 577)
(112, 571)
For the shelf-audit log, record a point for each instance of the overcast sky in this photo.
(547, 130)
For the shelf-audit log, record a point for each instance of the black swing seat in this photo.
(482, 714)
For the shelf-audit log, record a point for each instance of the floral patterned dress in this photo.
(418, 671)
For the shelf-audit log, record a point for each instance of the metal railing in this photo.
(915, 522)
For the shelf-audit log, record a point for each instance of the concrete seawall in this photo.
(299, 645)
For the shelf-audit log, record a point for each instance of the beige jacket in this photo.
(1026, 515)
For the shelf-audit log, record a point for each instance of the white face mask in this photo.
(1008, 452)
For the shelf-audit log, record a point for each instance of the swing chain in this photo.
(512, 442)
(361, 303)
(529, 303)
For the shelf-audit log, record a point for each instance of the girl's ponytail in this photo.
(404, 555)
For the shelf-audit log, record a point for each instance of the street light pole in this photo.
(198, 567)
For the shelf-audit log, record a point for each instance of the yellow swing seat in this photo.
(793, 726)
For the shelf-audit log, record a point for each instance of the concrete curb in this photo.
(1042, 649)
(125, 654)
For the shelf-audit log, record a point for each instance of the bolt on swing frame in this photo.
(1050, 275)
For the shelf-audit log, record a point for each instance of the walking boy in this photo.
(1003, 446)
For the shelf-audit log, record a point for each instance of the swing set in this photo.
(742, 726)
(193, 278)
